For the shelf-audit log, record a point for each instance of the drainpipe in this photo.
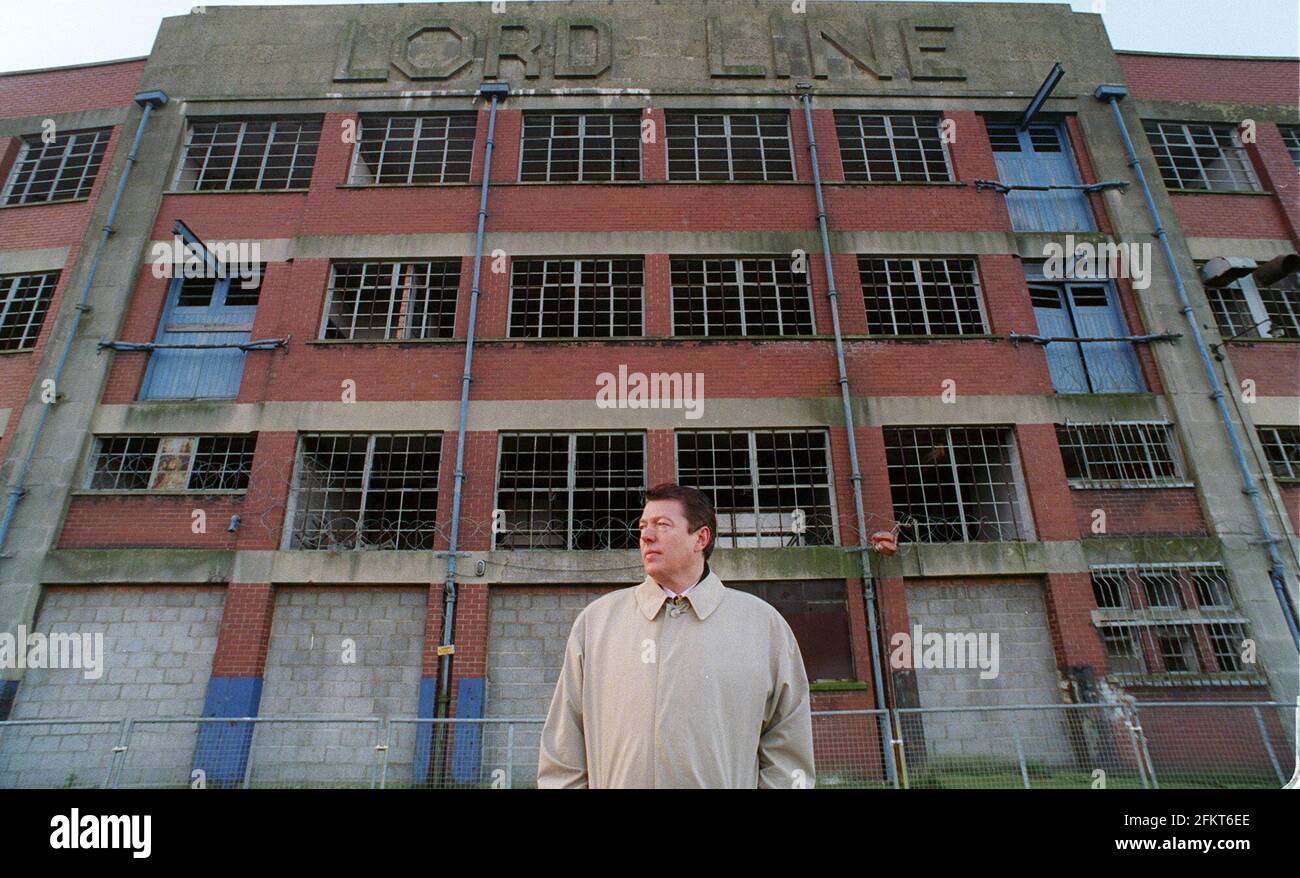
(496, 91)
(148, 100)
(863, 548)
(1276, 572)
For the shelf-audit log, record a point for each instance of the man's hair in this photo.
(696, 506)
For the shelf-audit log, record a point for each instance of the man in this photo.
(679, 681)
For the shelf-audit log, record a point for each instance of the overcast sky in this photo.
(54, 33)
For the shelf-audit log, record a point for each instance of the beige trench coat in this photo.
(712, 695)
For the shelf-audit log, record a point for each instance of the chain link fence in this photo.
(1149, 745)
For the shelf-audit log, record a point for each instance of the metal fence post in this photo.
(119, 755)
(1020, 756)
(248, 758)
(1268, 745)
(510, 756)
(383, 759)
(898, 745)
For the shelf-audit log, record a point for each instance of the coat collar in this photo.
(704, 597)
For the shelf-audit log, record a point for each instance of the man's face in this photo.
(668, 548)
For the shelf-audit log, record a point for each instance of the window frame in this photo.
(89, 172)
(400, 306)
(1239, 168)
(729, 139)
(856, 117)
(44, 300)
(450, 117)
(159, 453)
(916, 277)
(177, 185)
(582, 116)
(1285, 455)
(1257, 308)
(737, 280)
(579, 262)
(755, 486)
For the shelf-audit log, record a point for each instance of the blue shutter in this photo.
(1040, 156)
(198, 373)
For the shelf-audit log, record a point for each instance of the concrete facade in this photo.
(966, 63)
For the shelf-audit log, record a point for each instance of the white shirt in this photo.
(673, 594)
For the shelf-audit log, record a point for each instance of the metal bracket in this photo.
(261, 344)
(1017, 337)
(999, 186)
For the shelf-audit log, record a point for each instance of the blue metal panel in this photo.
(424, 731)
(197, 373)
(1047, 162)
(467, 751)
(1112, 365)
(1064, 361)
(222, 748)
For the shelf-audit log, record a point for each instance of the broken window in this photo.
(769, 487)
(1122, 650)
(248, 155)
(732, 296)
(1201, 156)
(729, 146)
(921, 296)
(24, 302)
(1244, 309)
(1282, 450)
(892, 147)
(391, 300)
(61, 170)
(413, 150)
(576, 298)
(1291, 137)
(1132, 453)
(172, 463)
(1181, 623)
(581, 147)
(956, 484)
(365, 491)
(570, 490)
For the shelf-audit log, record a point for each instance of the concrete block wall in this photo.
(158, 648)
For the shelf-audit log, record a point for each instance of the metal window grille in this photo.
(414, 150)
(1291, 137)
(1200, 156)
(757, 479)
(61, 170)
(248, 155)
(1281, 303)
(570, 490)
(892, 147)
(730, 296)
(1148, 627)
(391, 300)
(1123, 651)
(365, 491)
(1243, 309)
(955, 484)
(729, 146)
(24, 302)
(1131, 452)
(1282, 451)
(172, 463)
(580, 147)
(921, 296)
(582, 298)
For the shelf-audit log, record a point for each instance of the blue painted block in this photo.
(424, 731)
(222, 748)
(467, 751)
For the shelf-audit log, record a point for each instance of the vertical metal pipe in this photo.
(1276, 572)
(148, 100)
(863, 549)
(449, 588)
